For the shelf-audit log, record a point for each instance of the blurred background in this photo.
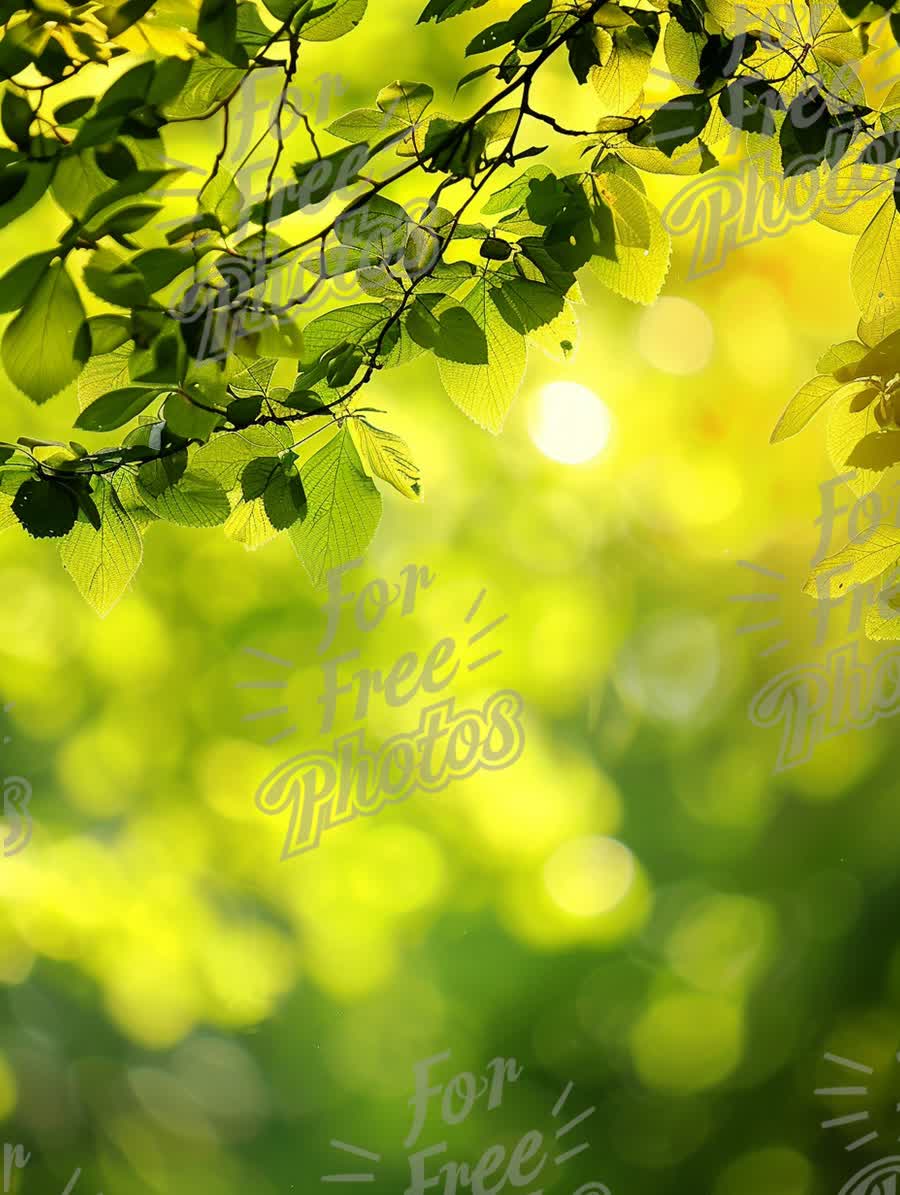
(640, 906)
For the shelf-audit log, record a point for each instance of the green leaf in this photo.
(105, 372)
(346, 323)
(160, 267)
(864, 557)
(115, 280)
(195, 500)
(495, 249)
(805, 134)
(247, 376)
(73, 110)
(485, 392)
(622, 77)
(503, 32)
(404, 100)
(45, 508)
(46, 345)
(882, 359)
(344, 508)
(527, 306)
(124, 195)
(584, 53)
(211, 79)
(252, 34)
(187, 420)
(877, 451)
(875, 269)
(248, 524)
(316, 181)
(339, 18)
(115, 408)
(638, 274)
(452, 147)
(883, 149)
(442, 10)
(217, 26)
(243, 411)
(102, 562)
(19, 281)
(840, 356)
(677, 122)
(515, 194)
(225, 456)
(365, 124)
(157, 476)
(223, 200)
(256, 476)
(629, 208)
(750, 104)
(845, 427)
(16, 115)
(808, 400)
(379, 227)
(108, 332)
(439, 323)
(170, 78)
(278, 484)
(387, 456)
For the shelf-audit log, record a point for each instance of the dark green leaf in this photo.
(315, 182)
(750, 104)
(115, 280)
(379, 228)
(243, 411)
(159, 267)
(19, 281)
(115, 409)
(676, 123)
(46, 345)
(16, 114)
(73, 110)
(883, 149)
(524, 19)
(878, 451)
(805, 133)
(527, 306)
(217, 27)
(444, 326)
(170, 77)
(583, 52)
(45, 508)
(442, 10)
(495, 249)
(116, 162)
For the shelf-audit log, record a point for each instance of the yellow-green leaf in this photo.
(343, 508)
(638, 274)
(485, 392)
(845, 429)
(621, 78)
(388, 457)
(808, 400)
(103, 561)
(864, 557)
(249, 524)
(875, 270)
(47, 344)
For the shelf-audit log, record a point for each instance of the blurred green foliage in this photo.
(638, 906)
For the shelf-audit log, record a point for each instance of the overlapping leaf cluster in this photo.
(205, 350)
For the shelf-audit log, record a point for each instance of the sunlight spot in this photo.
(569, 423)
(589, 876)
(676, 336)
